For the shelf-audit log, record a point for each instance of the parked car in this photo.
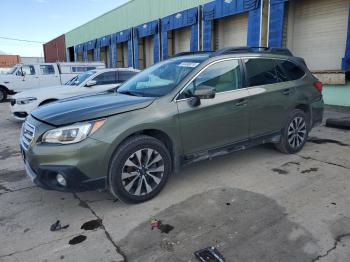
(28, 76)
(185, 109)
(99, 80)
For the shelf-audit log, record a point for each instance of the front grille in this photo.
(27, 135)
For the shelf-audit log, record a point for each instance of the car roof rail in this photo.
(252, 49)
(192, 53)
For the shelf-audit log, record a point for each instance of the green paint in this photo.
(338, 95)
(128, 15)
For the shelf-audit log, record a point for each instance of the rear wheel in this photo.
(3, 94)
(295, 133)
(139, 169)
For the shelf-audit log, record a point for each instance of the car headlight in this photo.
(73, 133)
(24, 101)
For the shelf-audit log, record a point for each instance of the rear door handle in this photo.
(241, 102)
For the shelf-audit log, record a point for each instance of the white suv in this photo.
(94, 81)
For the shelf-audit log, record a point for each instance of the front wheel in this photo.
(139, 169)
(3, 95)
(295, 133)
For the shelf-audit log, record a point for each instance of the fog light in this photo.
(61, 180)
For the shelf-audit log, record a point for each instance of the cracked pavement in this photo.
(253, 205)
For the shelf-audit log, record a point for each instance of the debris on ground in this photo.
(57, 226)
(77, 240)
(164, 228)
(92, 224)
(342, 123)
(209, 254)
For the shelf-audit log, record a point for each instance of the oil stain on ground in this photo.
(12, 176)
(242, 231)
(8, 152)
(280, 171)
(319, 141)
(312, 169)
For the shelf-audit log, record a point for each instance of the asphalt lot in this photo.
(254, 205)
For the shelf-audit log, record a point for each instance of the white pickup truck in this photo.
(28, 76)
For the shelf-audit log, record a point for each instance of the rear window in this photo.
(261, 71)
(292, 70)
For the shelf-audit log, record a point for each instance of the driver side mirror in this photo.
(91, 83)
(202, 92)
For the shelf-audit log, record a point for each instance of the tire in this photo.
(134, 183)
(3, 95)
(294, 134)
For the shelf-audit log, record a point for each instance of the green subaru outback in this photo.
(191, 107)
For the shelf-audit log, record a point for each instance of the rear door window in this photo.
(106, 78)
(261, 71)
(47, 70)
(125, 75)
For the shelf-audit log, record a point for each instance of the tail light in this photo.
(319, 86)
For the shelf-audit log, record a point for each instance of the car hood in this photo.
(35, 92)
(96, 106)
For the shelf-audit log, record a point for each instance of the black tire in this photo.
(287, 144)
(3, 94)
(119, 167)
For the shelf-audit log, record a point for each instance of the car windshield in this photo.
(80, 78)
(71, 81)
(12, 70)
(161, 78)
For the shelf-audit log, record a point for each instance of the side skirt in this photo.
(237, 146)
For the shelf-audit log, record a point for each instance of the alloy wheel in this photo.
(297, 132)
(142, 172)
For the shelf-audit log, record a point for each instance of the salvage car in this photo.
(24, 77)
(188, 108)
(93, 81)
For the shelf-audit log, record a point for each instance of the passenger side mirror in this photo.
(91, 83)
(202, 92)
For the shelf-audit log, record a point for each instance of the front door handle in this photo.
(241, 102)
(286, 92)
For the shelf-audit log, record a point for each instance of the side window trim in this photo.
(242, 84)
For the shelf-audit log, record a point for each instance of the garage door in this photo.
(149, 47)
(317, 32)
(91, 55)
(105, 55)
(182, 40)
(125, 54)
(231, 31)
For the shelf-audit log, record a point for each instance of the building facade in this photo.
(143, 32)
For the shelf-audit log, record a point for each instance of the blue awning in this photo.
(181, 19)
(104, 41)
(79, 48)
(147, 29)
(90, 45)
(122, 36)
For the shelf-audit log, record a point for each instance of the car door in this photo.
(216, 122)
(48, 76)
(271, 96)
(28, 77)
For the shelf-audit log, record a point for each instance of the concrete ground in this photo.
(254, 205)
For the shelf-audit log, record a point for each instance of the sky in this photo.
(44, 20)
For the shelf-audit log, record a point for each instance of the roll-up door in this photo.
(317, 31)
(80, 57)
(231, 31)
(149, 51)
(120, 57)
(125, 54)
(182, 40)
(105, 55)
(90, 54)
